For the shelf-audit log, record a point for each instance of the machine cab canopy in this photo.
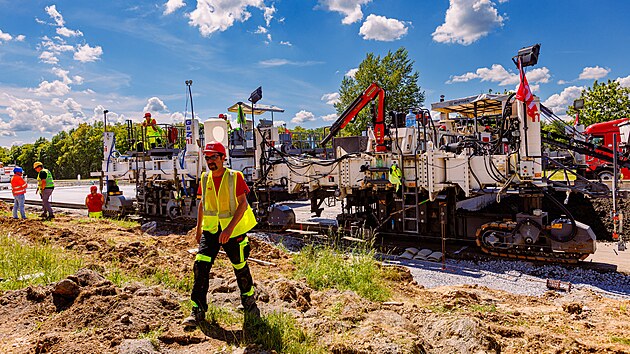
(471, 107)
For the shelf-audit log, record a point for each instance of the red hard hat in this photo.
(148, 114)
(93, 188)
(214, 147)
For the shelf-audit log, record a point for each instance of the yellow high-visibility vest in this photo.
(219, 208)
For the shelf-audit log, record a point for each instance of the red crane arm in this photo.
(373, 91)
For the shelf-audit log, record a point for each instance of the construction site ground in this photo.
(134, 315)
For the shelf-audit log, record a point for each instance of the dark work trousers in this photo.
(46, 193)
(237, 250)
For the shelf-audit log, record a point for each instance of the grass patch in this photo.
(153, 336)
(165, 278)
(484, 308)
(324, 268)
(620, 340)
(124, 223)
(23, 265)
(280, 332)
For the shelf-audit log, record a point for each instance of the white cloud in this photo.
(70, 106)
(331, 98)
(63, 74)
(50, 45)
(77, 79)
(466, 21)
(212, 16)
(381, 28)
(176, 117)
(261, 29)
(593, 73)
(303, 116)
(66, 32)
(280, 62)
(329, 117)
(172, 5)
(287, 43)
(28, 115)
(155, 104)
(559, 102)
(55, 15)
(352, 72)
(268, 14)
(20, 38)
(624, 81)
(55, 88)
(48, 58)
(85, 53)
(497, 73)
(351, 9)
(5, 37)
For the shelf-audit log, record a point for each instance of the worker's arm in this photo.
(238, 215)
(102, 199)
(199, 221)
(86, 201)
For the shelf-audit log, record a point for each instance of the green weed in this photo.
(323, 268)
(280, 332)
(22, 265)
(484, 308)
(620, 340)
(153, 336)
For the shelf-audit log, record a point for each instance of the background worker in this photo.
(18, 187)
(153, 131)
(94, 202)
(223, 219)
(45, 187)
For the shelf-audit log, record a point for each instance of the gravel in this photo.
(518, 277)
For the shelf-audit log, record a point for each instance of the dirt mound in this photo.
(87, 313)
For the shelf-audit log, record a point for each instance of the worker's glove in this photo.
(38, 191)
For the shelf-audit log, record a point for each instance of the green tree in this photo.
(394, 73)
(603, 102)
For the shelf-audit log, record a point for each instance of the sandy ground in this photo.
(100, 317)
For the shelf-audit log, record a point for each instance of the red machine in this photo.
(601, 136)
(372, 92)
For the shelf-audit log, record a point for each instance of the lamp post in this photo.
(105, 120)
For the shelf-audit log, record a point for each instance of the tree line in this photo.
(68, 154)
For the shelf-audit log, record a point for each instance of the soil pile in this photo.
(87, 313)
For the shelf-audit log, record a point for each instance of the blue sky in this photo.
(64, 62)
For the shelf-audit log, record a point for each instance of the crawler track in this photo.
(529, 252)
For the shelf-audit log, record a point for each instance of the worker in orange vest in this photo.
(18, 187)
(94, 202)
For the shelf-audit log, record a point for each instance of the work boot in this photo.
(43, 215)
(196, 317)
(249, 306)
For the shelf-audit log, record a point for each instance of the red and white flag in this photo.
(524, 94)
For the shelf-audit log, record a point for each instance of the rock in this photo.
(64, 294)
(125, 319)
(149, 226)
(572, 308)
(88, 277)
(92, 246)
(67, 288)
(136, 346)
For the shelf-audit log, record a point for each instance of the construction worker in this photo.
(45, 187)
(223, 219)
(94, 202)
(18, 187)
(153, 132)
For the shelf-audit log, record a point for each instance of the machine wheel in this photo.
(605, 175)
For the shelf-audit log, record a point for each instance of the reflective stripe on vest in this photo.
(50, 182)
(18, 186)
(219, 208)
